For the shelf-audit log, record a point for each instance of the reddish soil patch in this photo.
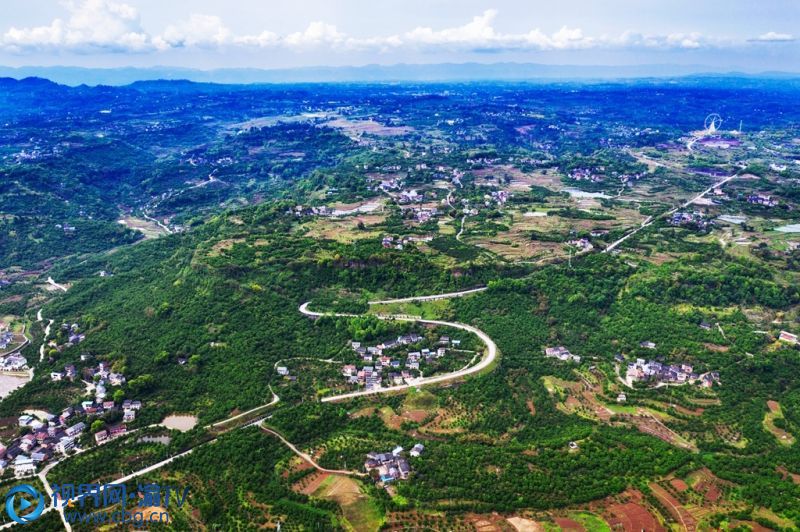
(417, 416)
(297, 466)
(674, 507)
(652, 426)
(632, 516)
(710, 491)
(773, 406)
(603, 413)
(531, 407)
(368, 411)
(787, 474)
(568, 524)
(679, 484)
(572, 403)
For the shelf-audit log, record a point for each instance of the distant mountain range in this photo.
(376, 73)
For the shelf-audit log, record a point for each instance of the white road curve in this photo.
(461, 231)
(51, 282)
(489, 357)
(427, 298)
(275, 400)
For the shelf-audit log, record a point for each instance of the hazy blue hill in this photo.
(374, 73)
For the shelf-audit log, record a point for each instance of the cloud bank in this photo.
(107, 26)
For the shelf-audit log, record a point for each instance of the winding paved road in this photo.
(489, 357)
(434, 297)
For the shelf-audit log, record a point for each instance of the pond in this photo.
(733, 219)
(792, 228)
(576, 193)
(9, 383)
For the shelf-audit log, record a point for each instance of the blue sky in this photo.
(731, 34)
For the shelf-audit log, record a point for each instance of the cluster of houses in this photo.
(500, 196)
(597, 175)
(380, 367)
(410, 196)
(690, 219)
(391, 242)
(15, 362)
(651, 370)
(391, 466)
(48, 436)
(73, 334)
(561, 353)
(69, 373)
(423, 215)
(301, 210)
(6, 338)
(583, 244)
(585, 174)
(761, 199)
(389, 185)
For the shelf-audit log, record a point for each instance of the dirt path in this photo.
(675, 507)
(308, 457)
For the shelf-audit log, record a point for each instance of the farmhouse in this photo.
(561, 353)
(389, 467)
(788, 337)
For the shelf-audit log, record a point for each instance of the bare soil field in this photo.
(358, 509)
(148, 228)
(568, 525)
(344, 229)
(632, 516)
(370, 127)
(521, 524)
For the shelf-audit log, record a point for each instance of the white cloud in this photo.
(476, 33)
(197, 30)
(316, 34)
(109, 25)
(772, 36)
(92, 24)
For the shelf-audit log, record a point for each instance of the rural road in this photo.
(275, 400)
(51, 282)
(307, 457)
(427, 298)
(485, 362)
(649, 221)
(46, 333)
(460, 231)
